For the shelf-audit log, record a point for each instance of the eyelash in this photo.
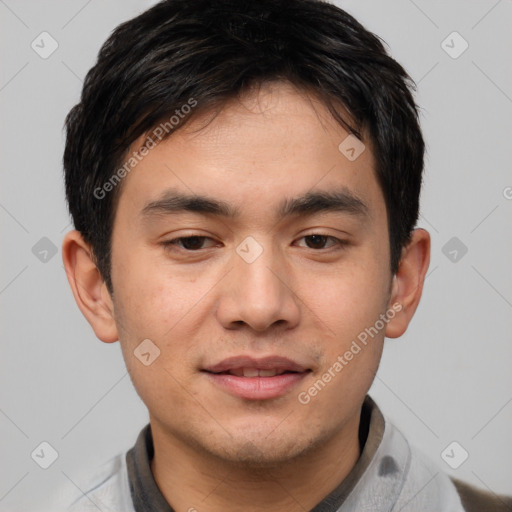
(170, 244)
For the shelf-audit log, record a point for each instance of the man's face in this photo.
(255, 285)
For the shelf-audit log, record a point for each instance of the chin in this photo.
(257, 450)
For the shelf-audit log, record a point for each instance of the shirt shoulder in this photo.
(477, 500)
(107, 489)
(464, 497)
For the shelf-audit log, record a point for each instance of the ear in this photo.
(408, 282)
(89, 289)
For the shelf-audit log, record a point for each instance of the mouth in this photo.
(256, 379)
(253, 372)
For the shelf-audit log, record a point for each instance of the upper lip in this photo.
(264, 363)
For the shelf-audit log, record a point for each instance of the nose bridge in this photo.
(258, 278)
(257, 293)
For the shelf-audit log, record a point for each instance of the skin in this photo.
(302, 298)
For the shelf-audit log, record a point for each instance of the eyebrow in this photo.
(342, 200)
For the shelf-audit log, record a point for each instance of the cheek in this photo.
(349, 308)
(153, 313)
(154, 297)
(351, 297)
(157, 303)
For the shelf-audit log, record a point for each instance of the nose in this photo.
(259, 293)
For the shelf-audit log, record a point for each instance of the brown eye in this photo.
(316, 241)
(189, 243)
(319, 241)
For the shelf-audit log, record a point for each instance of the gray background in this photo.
(448, 379)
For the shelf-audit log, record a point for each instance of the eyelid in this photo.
(338, 242)
(174, 242)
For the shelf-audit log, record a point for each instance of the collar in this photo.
(146, 495)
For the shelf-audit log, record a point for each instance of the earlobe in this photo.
(88, 287)
(408, 282)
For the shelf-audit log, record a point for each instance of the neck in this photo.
(191, 479)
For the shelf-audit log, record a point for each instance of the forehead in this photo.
(271, 145)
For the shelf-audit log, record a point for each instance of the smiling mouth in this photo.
(253, 372)
(257, 383)
(256, 378)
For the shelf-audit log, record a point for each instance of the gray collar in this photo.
(146, 495)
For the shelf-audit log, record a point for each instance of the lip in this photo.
(257, 388)
(263, 363)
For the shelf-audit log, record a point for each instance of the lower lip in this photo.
(257, 388)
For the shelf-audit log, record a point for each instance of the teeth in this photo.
(254, 372)
(267, 373)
